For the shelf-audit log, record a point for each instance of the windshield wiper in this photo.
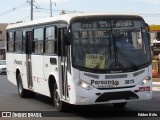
(126, 58)
(107, 50)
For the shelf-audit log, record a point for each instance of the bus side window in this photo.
(10, 41)
(24, 42)
(18, 41)
(38, 41)
(50, 40)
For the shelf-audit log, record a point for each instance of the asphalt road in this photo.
(10, 101)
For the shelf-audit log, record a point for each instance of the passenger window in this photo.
(38, 41)
(18, 41)
(10, 41)
(50, 40)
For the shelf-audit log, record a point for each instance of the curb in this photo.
(155, 88)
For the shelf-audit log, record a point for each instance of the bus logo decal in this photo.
(107, 82)
(18, 62)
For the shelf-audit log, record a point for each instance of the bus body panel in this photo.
(85, 97)
(10, 68)
(18, 64)
(82, 96)
(24, 71)
(39, 83)
(102, 82)
(50, 69)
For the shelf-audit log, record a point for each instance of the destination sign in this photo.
(123, 23)
(103, 24)
(87, 25)
(107, 24)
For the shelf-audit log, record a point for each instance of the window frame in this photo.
(37, 41)
(10, 41)
(24, 41)
(55, 40)
(18, 41)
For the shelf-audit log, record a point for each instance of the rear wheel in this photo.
(23, 93)
(59, 105)
(120, 105)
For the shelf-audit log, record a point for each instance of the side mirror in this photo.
(149, 39)
(148, 32)
(147, 28)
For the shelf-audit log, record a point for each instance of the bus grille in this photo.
(127, 95)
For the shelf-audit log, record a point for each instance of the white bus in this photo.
(81, 59)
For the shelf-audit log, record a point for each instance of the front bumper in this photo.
(96, 96)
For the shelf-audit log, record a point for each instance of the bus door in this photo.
(63, 52)
(29, 37)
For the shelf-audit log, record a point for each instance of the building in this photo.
(2, 40)
(155, 38)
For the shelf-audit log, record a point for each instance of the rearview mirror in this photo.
(147, 28)
(148, 32)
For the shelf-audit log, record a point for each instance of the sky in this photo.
(19, 10)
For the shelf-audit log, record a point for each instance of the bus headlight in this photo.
(84, 85)
(145, 81)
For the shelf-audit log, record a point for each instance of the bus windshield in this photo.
(110, 45)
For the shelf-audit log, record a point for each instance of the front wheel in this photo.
(58, 103)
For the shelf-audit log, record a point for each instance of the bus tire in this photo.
(21, 91)
(59, 105)
(120, 105)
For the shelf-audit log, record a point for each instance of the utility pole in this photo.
(31, 10)
(51, 6)
(31, 3)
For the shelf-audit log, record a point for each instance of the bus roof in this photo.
(66, 17)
